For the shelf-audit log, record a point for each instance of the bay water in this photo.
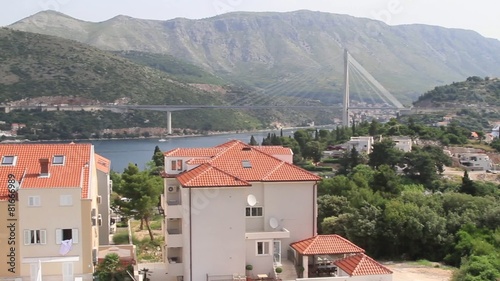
(140, 151)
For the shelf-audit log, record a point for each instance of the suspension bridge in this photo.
(275, 96)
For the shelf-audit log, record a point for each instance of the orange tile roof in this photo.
(360, 265)
(242, 161)
(274, 150)
(326, 245)
(197, 161)
(205, 175)
(194, 152)
(74, 173)
(102, 164)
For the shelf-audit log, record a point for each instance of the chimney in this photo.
(44, 167)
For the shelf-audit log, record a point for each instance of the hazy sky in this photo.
(482, 16)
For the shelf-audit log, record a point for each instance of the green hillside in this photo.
(37, 67)
(474, 103)
(475, 92)
(181, 70)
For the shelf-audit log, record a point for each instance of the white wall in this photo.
(218, 232)
(293, 205)
(49, 216)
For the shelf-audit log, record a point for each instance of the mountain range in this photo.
(296, 53)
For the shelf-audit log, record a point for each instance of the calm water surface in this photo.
(140, 151)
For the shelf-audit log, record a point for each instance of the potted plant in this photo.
(248, 267)
(278, 270)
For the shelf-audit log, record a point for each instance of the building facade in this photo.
(231, 206)
(50, 208)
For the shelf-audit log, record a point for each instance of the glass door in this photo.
(277, 252)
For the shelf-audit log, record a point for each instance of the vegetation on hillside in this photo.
(397, 205)
(177, 68)
(475, 92)
(301, 49)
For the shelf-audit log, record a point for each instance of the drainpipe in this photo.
(190, 238)
(315, 210)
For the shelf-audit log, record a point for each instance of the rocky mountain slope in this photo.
(295, 53)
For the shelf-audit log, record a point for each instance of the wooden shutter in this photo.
(43, 237)
(27, 237)
(58, 236)
(67, 271)
(74, 235)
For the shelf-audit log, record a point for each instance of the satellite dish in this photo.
(273, 222)
(251, 200)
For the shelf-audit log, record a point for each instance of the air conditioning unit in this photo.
(99, 220)
(99, 199)
(173, 188)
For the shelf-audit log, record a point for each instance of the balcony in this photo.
(174, 238)
(174, 211)
(275, 234)
(174, 260)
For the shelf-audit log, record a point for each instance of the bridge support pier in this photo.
(169, 122)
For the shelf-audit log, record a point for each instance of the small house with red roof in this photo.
(332, 257)
(232, 206)
(48, 211)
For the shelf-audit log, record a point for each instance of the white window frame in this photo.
(28, 233)
(34, 201)
(266, 251)
(74, 235)
(250, 210)
(66, 200)
(13, 163)
(59, 157)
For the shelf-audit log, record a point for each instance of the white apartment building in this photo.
(476, 161)
(48, 212)
(403, 143)
(361, 144)
(231, 206)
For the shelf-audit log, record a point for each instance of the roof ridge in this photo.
(359, 262)
(273, 170)
(376, 262)
(208, 168)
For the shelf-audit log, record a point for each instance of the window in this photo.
(9, 160)
(246, 164)
(58, 160)
(34, 201)
(176, 165)
(263, 248)
(66, 200)
(67, 234)
(35, 236)
(254, 212)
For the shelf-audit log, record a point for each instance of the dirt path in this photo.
(413, 272)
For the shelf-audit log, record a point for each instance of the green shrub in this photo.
(120, 238)
(331, 161)
(155, 225)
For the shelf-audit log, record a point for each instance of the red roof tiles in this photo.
(360, 265)
(326, 245)
(205, 175)
(241, 161)
(102, 164)
(274, 150)
(72, 173)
